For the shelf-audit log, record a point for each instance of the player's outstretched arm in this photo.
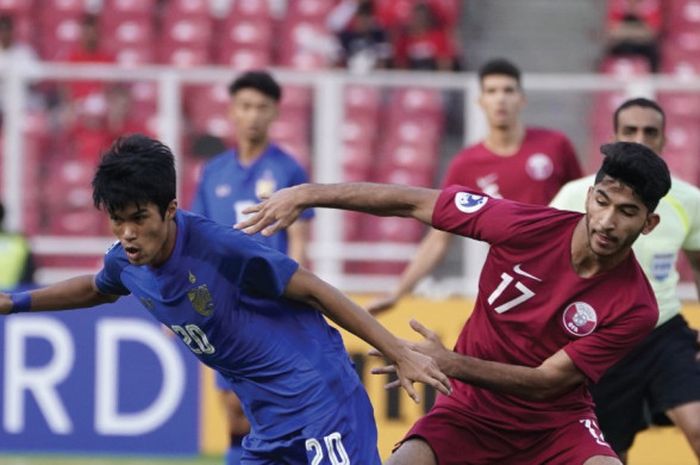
(72, 293)
(412, 366)
(555, 376)
(284, 206)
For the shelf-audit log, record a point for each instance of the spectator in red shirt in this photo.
(424, 45)
(634, 27)
(89, 50)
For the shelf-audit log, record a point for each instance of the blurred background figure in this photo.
(16, 263)
(239, 178)
(365, 43)
(424, 44)
(634, 27)
(11, 50)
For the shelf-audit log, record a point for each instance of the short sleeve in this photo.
(108, 279)
(255, 267)
(595, 353)
(472, 214)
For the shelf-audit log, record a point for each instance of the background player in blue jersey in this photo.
(239, 178)
(244, 309)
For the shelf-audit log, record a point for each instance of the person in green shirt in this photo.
(660, 379)
(16, 264)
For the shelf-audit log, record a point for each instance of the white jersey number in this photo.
(334, 445)
(506, 279)
(194, 338)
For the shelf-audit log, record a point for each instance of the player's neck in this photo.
(249, 151)
(505, 141)
(584, 261)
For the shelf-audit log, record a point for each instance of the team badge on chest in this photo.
(580, 319)
(201, 300)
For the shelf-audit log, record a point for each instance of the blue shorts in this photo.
(347, 436)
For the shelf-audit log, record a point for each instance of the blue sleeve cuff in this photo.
(21, 302)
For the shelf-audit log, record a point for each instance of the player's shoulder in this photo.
(218, 162)
(578, 186)
(204, 234)
(281, 155)
(684, 190)
(540, 133)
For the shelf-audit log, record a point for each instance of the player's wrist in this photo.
(21, 302)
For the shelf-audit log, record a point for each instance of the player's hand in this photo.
(273, 214)
(5, 303)
(413, 367)
(430, 345)
(382, 304)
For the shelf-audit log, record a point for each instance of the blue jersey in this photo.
(221, 293)
(227, 188)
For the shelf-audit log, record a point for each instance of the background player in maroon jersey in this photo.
(512, 162)
(561, 299)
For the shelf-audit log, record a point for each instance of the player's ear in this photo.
(170, 211)
(651, 222)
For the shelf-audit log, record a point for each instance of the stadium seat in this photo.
(680, 104)
(128, 7)
(59, 37)
(250, 9)
(625, 66)
(244, 58)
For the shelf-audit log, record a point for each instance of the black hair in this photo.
(638, 167)
(2, 213)
(261, 81)
(499, 66)
(135, 170)
(638, 102)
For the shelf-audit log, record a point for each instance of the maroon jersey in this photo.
(534, 174)
(531, 303)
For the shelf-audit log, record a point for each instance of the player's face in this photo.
(641, 125)
(252, 113)
(502, 100)
(615, 217)
(147, 237)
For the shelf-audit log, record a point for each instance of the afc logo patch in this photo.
(469, 203)
(580, 319)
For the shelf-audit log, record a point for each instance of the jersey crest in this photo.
(580, 319)
(539, 166)
(469, 203)
(201, 300)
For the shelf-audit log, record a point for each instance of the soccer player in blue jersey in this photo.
(246, 310)
(240, 177)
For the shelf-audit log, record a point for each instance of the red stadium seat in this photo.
(59, 38)
(189, 7)
(362, 102)
(250, 9)
(310, 10)
(16, 7)
(128, 7)
(416, 100)
(244, 58)
(625, 66)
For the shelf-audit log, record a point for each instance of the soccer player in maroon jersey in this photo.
(561, 299)
(512, 162)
